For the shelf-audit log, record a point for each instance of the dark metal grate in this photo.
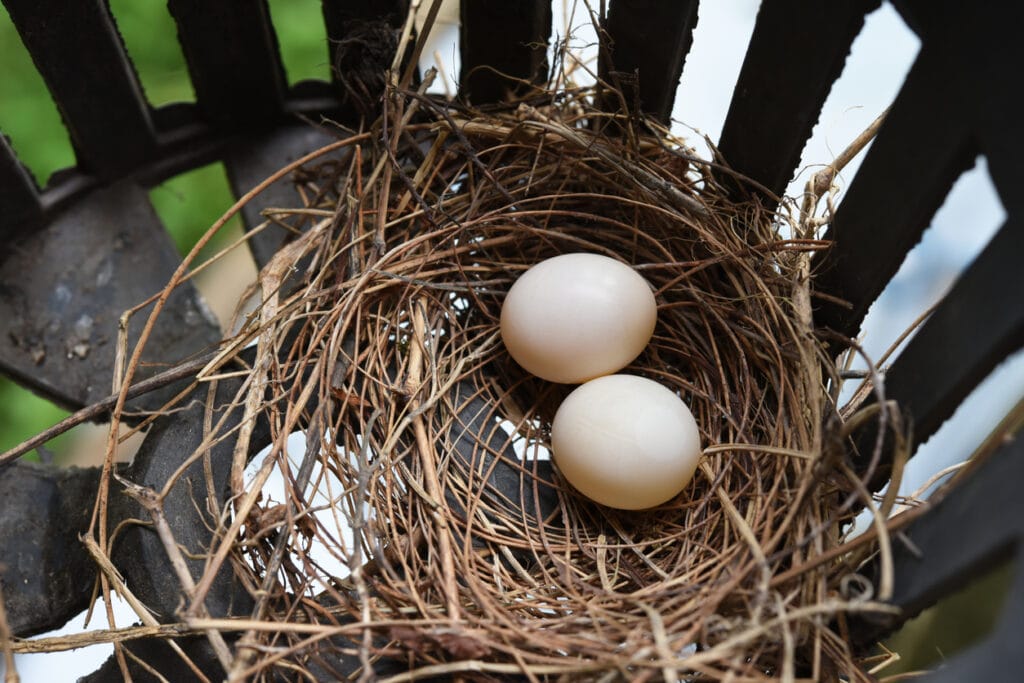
(957, 102)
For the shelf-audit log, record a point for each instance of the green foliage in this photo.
(23, 414)
(151, 38)
(189, 203)
(302, 38)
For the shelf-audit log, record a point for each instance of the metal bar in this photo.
(232, 55)
(68, 284)
(503, 46)
(924, 145)
(644, 52)
(20, 204)
(796, 52)
(342, 16)
(249, 164)
(362, 37)
(977, 325)
(47, 575)
(972, 529)
(971, 331)
(102, 104)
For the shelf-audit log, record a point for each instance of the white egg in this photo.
(626, 442)
(577, 316)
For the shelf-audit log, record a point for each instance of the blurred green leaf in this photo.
(24, 414)
(151, 38)
(189, 203)
(302, 39)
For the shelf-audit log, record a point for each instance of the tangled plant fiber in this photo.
(464, 550)
(423, 530)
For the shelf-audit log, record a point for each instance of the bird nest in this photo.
(422, 528)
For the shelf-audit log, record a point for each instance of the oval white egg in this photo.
(625, 441)
(574, 317)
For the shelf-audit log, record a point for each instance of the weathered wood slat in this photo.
(796, 52)
(648, 46)
(232, 55)
(924, 145)
(19, 197)
(977, 325)
(81, 57)
(970, 531)
(981, 45)
(500, 42)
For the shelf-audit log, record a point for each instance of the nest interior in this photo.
(460, 540)
(425, 525)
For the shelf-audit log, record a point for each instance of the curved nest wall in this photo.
(423, 529)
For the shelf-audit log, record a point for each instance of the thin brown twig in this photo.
(7, 644)
(95, 410)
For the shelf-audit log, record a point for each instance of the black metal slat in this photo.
(985, 53)
(957, 539)
(1000, 656)
(361, 35)
(233, 59)
(976, 526)
(19, 198)
(924, 145)
(249, 164)
(977, 325)
(65, 287)
(968, 47)
(796, 52)
(80, 55)
(643, 55)
(500, 42)
(341, 17)
(47, 575)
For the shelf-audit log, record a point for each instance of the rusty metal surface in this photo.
(64, 287)
(139, 554)
(648, 43)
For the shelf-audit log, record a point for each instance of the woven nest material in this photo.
(457, 547)
(423, 529)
